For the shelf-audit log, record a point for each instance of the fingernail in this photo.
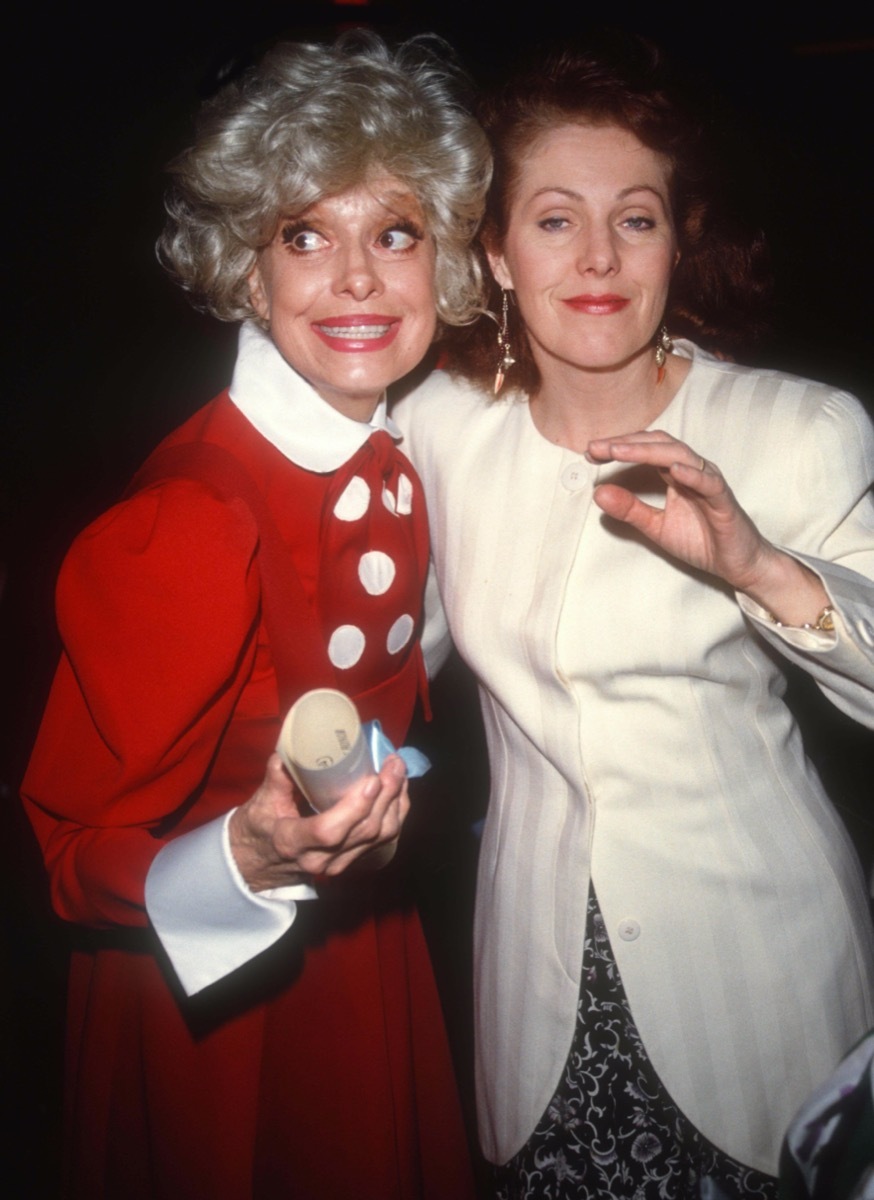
(371, 788)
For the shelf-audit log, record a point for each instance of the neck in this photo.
(574, 406)
(357, 408)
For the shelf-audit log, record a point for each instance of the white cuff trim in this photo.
(809, 640)
(208, 920)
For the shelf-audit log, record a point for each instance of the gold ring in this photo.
(703, 462)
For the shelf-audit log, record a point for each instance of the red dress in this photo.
(320, 1070)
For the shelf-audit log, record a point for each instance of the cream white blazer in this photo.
(637, 736)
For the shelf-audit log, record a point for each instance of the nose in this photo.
(357, 273)
(598, 253)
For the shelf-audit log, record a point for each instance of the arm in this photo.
(822, 550)
(158, 611)
(250, 869)
(157, 607)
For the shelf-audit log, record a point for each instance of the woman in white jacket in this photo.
(673, 942)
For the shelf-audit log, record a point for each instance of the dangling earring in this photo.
(506, 360)
(663, 348)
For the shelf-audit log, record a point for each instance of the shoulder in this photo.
(446, 409)
(776, 394)
(760, 412)
(441, 398)
(178, 505)
(798, 454)
(173, 544)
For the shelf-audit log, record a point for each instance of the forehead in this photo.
(586, 158)
(378, 196)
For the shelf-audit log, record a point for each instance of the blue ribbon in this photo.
(380, 748)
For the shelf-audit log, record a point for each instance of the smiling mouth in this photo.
(354, 332)
(597, 305)
(358, 333)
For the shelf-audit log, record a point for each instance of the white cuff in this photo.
(207, 918)
(811, 641)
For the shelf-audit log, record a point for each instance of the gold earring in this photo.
(506, 360)
(663, 348)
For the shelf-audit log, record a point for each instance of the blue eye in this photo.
(639, 223)
(553, 224)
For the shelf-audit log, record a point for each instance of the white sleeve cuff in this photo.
(810, 641)
(207, 918)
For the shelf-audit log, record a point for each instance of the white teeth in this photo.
(354, 332)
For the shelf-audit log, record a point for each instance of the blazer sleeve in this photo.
(829, 526)
(157, 608)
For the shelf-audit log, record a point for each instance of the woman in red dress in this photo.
(270, 1026)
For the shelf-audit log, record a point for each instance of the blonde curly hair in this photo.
(312, 121)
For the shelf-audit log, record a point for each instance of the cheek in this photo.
(537, 277)
(420, 290)
(660, 270)
(421, 329)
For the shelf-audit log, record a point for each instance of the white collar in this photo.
(292, 415)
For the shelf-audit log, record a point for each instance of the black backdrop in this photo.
(106, 356)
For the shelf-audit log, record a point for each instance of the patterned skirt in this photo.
(611, 1131)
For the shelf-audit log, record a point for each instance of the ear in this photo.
(258, 293)
(499, 268)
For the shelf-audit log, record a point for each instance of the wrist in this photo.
(252, 853)
(791, 594)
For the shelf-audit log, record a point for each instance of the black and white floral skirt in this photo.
(611, 1131)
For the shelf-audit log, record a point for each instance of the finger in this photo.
(370, 812)
(393, 774)
(394, 815)
(357, 817)
(274, 799)
(389, 807)
(705, 481)
(619, 503)
(382, 824)
(604, 449)
(363, 805)
(404, 803)
(367, 836)
(278, 784)
(662, 454)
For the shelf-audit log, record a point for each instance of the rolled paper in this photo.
(323, 747)
(326, 749)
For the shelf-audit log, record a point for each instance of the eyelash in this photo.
(405, 227)
(639, 224)
(294, 230)
(289, 233)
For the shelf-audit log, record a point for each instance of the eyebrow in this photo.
(572, 195)
(397, 201)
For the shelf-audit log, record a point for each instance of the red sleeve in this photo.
(157, 608)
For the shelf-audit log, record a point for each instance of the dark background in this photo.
(106, 356)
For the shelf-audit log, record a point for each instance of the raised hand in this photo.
(703, 525)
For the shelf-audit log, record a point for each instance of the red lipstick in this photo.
(597, 306)
(358, 333)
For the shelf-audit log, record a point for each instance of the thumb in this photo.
(278, 790)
